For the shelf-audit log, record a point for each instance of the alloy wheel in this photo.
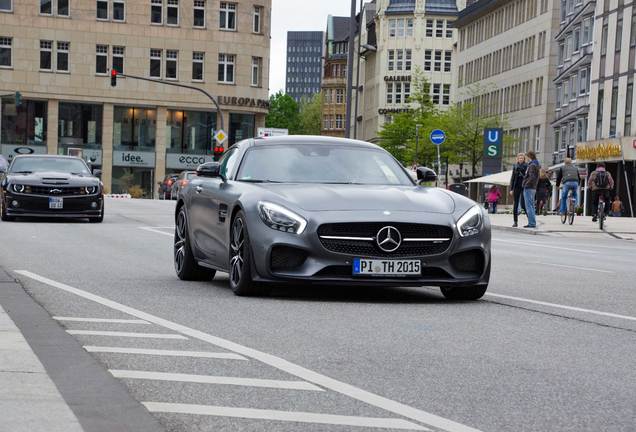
(237, 251)
(180, 242)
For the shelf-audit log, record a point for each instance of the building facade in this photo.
(398, 40)
(304, 63)
(506, 64)
(59, 55)
(334, 79)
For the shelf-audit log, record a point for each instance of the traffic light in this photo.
(18, 99)
(218, 152)
(113, 78)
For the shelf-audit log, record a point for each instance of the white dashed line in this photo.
(574, 267)
(101, 320)
(157, 230)
(160, 352)
(126, 334)
(289, 416)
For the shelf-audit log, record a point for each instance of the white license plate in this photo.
(56, 202)
(378, 267)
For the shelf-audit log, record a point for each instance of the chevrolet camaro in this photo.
(327, 211)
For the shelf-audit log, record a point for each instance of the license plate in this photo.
(56, 202)
(378, 267)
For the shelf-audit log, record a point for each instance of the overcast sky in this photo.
(297, 15)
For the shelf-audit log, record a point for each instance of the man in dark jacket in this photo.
(530, 181)
(601, 183)
(516, 188)
(569, 175)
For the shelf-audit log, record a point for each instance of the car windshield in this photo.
(50, 164)
(320, 163)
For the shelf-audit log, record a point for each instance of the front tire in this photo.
(241, 260)
(469, 293)
(98, 219)
(185, 264)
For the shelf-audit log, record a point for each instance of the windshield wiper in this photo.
(259, 181)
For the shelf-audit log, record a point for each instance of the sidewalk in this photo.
(29, 400)
(618, 227)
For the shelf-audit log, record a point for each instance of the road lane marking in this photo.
(126, 334)
(560, 306)
(160, 352)
(101, 320)
(210, 379)
(156, 230)
(543, 246)
(290, 416)
(274, 361)
(574, 267)
(582, 245)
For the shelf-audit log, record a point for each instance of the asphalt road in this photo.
(552, 347)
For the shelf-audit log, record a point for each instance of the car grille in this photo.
(57, 190)
(346, 244)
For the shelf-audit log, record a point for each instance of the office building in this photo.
(304, 63)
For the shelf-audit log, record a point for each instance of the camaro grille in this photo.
(57, 190)
(360, 239)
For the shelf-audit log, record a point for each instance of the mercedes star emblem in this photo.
(389, 239)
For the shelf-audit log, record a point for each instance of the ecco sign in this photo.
(133, 159)
(185, 161)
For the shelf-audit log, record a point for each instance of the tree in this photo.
(283, 113)
(310, 115)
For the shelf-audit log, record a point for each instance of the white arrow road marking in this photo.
(277, 362)
(126, 334)
(291, 416)
(161, 352)
(101, 320)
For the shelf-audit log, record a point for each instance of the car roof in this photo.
(48, 156)
(311, 139)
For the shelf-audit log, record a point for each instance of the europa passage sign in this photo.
(493, 149)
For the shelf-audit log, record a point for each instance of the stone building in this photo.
(334, 79)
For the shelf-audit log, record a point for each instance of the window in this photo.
(102, 9)
(391, 60)
(436, 93)
(5, 52)
(79, 125)
(155, 63)
(256, 19)
(407, 60)
(586, 31)
(428, 59)
(46, 52)
(227, 16)
(614, 109)
(439, 28)
(256, 71)
(172, 58)
(449, 30)
(599, 113)
(118, 58)
(537, 138)
(226, 68)
(199, 13)
(629, 100)
(429, 28)
(619, 35)
(119, 10)
(156, 11)
(101, 59)
(63, 49)
(558, 97)
(198, 62)
(400, 27)
(339, 96)
(604, 40)
(172, 16)
(446, 94)
(46, 7)
(576, 39)
(63, 7)
(437, 65)
(339, 123)
(6, 5)
(583, 81)
(447, 60)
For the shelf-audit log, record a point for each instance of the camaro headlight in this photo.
(281, 219)
(18, 188)
(471, 222)
(90, 189)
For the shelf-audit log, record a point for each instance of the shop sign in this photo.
(133, 159)
(10, 151)
(243, 102)
(601, 151)
(184, 161)
(92, 156)
(398, 78)
(383, 111)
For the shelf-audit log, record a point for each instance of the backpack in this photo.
(602, 180)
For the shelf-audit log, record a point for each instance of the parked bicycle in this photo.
(570, 210)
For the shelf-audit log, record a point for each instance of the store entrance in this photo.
(134, 181)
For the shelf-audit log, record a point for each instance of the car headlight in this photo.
(281, 219)
(471, 222)
(18, 188)
(90, 190)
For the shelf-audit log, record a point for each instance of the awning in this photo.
(502, 178)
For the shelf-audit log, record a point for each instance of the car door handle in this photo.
(198, 189)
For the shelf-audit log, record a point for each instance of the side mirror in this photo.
(426, 175)
(210, 169)
(97, 173)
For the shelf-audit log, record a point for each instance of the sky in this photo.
(297, 15)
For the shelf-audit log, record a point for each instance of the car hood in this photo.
(364, 197)
(53, 179)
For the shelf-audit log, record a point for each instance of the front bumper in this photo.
(38, 206)
(321, 266)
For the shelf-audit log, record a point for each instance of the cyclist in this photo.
(569, 175)
(601, 183)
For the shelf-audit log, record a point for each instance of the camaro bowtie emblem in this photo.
(55, 191)
(389, 239)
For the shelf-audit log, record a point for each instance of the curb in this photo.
(515, 230)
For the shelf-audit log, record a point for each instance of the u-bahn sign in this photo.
(493, 149)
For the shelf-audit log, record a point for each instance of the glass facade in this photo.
(134, 128)
(190, 131)
(25, 124)
(79, 125)
(242, 126)
(135, 181)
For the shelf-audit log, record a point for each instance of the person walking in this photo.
(530, 182)
(617, 207)
(544, 190)
(492, 197)
(516, 188)
(569, 175)
(601, 183)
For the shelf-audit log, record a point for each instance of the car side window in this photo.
(228, 161)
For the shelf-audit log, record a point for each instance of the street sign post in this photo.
(220, 136)
(493, 149)
(438, 137)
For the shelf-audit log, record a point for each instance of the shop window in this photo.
(190, 131)
(134, 128)
(242, 126)
(80, 125)
(23, 125)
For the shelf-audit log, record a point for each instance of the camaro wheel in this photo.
(184, 263)
(474, 292)
(98, 219)
(241, 260)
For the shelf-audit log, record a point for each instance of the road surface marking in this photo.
(581, 245)
(160, 352)
(291, 416)
(560, 306)
(126, 334)
(209, 379)
(158, 231)
(574, 267)
(544, 246)
(101, 320)
(277, 362)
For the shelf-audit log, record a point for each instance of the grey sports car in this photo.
(327, 211)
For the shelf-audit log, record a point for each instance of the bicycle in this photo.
(600, 211)
(570, 211)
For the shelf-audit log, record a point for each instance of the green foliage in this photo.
(283, 113)
(310, 115)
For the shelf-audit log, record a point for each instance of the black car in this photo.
(181, 181)
(327, 210)
(50, 186)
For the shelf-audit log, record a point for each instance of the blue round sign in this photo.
(438, 137)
